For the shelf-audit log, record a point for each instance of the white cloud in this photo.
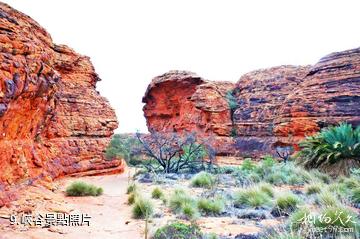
(132, 41)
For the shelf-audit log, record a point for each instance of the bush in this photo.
(143, 208)
(83, 189)
(132, 198)
(340, 217)
(330, 146)
(131, 188)
(355, 195)
(211, 206)
(323, 177)
(179, 199)
(190, 211)
(203, 180)
(299, 218)
(267, 188)
(327, 199)
(122, 145)
(287, 203)
(178, 230)
(157, 193)
(314, 188)
(248, 165)
(251, 197)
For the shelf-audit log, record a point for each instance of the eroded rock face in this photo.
(52, 120)
(182, 101)
(278, 106)
(330, 93)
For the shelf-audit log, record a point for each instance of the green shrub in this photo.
(330, 146)
(178, 230)
(83, 189)
(327, 199)
(338, 189)
(248, 165)
(287, 202)
(299, 218)
(251, 197)
(122, 145)
(190, 211)
(211, 206)
(179, 199)
(350, 182)
(131, 198)
(131, 188)
(337, 217)
(323, 177)
(314, 188)
(143, 208)
(267, 188)
(355, 195)
(203, 180)
(157, 193)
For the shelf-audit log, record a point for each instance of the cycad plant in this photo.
(330, 146)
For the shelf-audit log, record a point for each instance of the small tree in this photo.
(173, 153)
(122, 146)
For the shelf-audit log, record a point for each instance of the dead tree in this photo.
(174, 153)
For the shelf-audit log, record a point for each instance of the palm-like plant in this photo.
(330, 146)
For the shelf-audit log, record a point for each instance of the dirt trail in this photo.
(110, 217)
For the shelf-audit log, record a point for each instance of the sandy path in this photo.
(110, 217)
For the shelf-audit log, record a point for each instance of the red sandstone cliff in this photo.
(52, 120)
(276, 106)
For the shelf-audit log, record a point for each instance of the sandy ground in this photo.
(110, 218)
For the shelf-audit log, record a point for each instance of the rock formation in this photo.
(278, 106)
(52, 120)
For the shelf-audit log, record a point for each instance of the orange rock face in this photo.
(275, 106)
(52, 120)
(182, 101)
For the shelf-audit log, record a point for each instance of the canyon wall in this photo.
(274, 107)
(52, 120)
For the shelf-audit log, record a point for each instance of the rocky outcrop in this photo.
(180, 100)
(330, 93)
(52, 120)
(278, 106)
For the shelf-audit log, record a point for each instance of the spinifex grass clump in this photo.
(203, 180)
(251, 197)
(131, 188)
(327, 199)
(143, 208)
(83, 189)
(286, 203)
(314, 188)
(211, 206)
(178, 230)
(179, 199)
(157, 193)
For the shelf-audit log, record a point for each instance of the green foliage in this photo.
(287, 202)
(131, 188)
(143, 208)
(331, 145)
(267, 188)
(157, 193)
(233, 132)
(322, 177)
(179, 199)
(232, 101)
(314, 188)
(251, 197)
(248, 165)
(190, 211)
(298, 218)
(211, 206)
(203, 180)
(132, 198)
(355, 195)
(178, 230)
(327, 199)
(122, 145)
(83, 189)
(337, 217)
